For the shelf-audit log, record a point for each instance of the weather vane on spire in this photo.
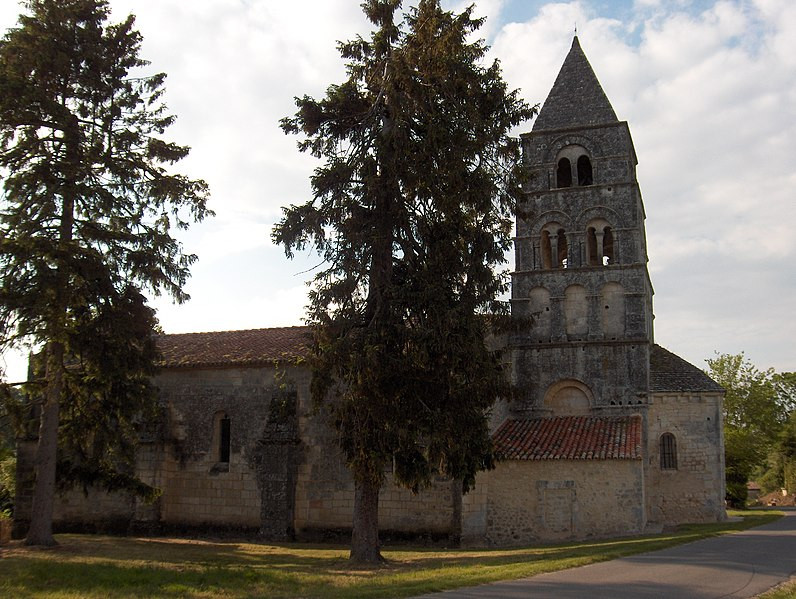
(576, 28)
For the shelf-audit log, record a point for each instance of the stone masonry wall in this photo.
(694, 491)
(522, 502)
(255, 489)
(325, 492)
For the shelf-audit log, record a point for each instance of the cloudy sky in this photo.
(708, 88)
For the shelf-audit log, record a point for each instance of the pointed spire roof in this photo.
(577, 98)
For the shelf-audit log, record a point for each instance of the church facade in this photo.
(610, 435)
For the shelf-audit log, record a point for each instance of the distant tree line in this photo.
(759, 425)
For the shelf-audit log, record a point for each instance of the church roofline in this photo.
(218, 349)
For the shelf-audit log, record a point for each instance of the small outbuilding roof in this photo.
(570, 438)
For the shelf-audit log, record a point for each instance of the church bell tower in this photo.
(581, 286)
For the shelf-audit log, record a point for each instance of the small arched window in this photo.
(585, 176)
(564, 173)
(668, 452)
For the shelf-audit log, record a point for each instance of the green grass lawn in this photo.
(89, 566)
(784, 591)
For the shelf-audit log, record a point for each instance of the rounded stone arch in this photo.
(601, 246)
(547, 218)
(612, 312)
(550, 232)
(576, 312)
(599, 212)
(573, 167)
(591, 147)
(569, 397)
(539, 310)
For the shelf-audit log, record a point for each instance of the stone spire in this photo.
(577, 98)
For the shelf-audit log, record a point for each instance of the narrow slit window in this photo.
(668, 452)
(224, 440)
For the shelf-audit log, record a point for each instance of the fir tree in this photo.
(86, 212)
(411, 212)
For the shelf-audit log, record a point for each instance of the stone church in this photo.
(612, 434)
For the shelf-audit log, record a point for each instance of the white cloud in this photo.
(710, 96)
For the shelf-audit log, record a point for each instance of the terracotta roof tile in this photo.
(570, 438)
(233, 348)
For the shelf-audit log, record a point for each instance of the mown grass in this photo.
(89, 566)
(783, 591)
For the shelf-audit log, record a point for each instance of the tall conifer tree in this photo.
(86, 214)
(412, 212)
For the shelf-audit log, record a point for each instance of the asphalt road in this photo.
(742, 564)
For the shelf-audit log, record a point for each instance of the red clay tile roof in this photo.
(570, 438)
(233, 348)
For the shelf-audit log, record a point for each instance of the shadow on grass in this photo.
(93, 566)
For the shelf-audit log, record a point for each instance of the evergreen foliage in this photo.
(412, 213)
(87, 207)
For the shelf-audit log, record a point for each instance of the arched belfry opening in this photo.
(554, 247)
(585, 176)
(564, 173)
(574, 167)
(600, 244)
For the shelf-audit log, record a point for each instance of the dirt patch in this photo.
(777, 498)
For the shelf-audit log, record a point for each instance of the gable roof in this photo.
(570, 438)
(669, 372)
(233, 348)
(254, 347)
(577, 98)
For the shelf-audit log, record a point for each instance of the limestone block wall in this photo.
(694, 490)
(530, 501)
(255, 487)
(196, 494)
(325, 492)
(604, 366)
(95, 509)
(474, 512)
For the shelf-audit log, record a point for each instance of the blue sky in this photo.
(707, 87)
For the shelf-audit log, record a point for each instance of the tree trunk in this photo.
(41, 521)
(41, 517)
(365, 534)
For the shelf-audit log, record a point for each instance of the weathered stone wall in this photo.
(94, 510)
(325, 492)
(523, 502)
(255, 488)
(609, 370)
(694, 491)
